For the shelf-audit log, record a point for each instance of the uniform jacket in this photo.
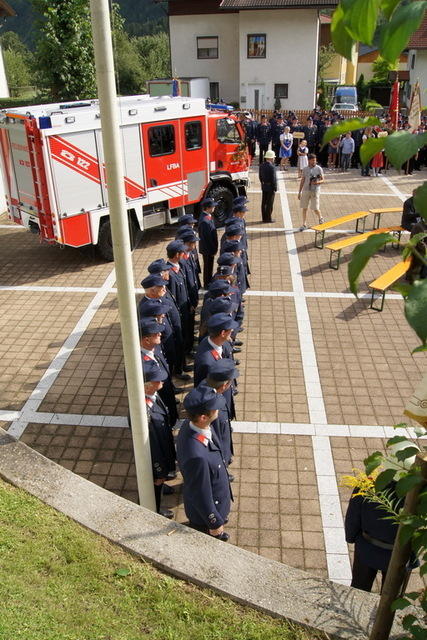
(166, 393)
(208, 237)
(207, 493)
(192, 281)
(365, 516)
(267, 176)
(263, 134)
(161, 439)
(204, 357)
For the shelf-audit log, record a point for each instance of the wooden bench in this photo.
(321, 228)
(387, 280)
(378, 212)
(338, 245)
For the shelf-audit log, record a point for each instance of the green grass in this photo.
(59, 581)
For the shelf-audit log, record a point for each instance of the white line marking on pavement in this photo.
(338, 563)
(11, 226)
(9, 416)
(315, 402)
(46, 381)
(50, 289)
(396, 190)
(351, 193)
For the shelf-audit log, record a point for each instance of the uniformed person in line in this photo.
(221, 377)
(231, 232)
(178, 288)
(208, 243)
(206, 492)
(235, 247)
(158, 310)
(223, 304)
(162, 446)
(215, 346)
(150, 333)
(238, 216)
(186, 223)
(162, 268)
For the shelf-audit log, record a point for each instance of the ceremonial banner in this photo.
(414, 117)
(394, 105)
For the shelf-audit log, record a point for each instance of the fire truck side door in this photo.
(194, 157)
(163, 166)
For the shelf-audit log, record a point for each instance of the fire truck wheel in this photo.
(224, 197)
(105, 244)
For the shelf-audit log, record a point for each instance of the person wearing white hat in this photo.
(268, 179)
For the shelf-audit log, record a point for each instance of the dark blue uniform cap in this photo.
(186, 219)
(209, 202)
(221, 305)
(151, 307)
(182, 230)
(159, 265)
(240, 200)
(152, 371)
(223, 370)
(227, 259)
(224, 270)
(239, 207)
(232, 245)
(147, 327)
(175, 245)
(234, 221)
(233, 230)
(153, 280)
(219, 286)
(221, 322)
(202, 399)
(188, 236)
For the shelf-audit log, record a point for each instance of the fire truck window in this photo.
(227, 132)
(161, 140)
(193, 135)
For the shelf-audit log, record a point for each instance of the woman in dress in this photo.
(286, 140)
(302, 153)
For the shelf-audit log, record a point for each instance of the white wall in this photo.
(184, 31)
(419, 72)
(4, 89)
(291, 56)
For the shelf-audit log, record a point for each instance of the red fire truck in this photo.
(176, 152)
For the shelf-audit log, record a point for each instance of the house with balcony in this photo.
(253, 51)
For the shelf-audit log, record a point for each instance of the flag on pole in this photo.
(176, 87)
(394, 105)
(414, 117)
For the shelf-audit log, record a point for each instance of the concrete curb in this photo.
(267, 585)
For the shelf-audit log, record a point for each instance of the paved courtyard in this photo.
(323, 377)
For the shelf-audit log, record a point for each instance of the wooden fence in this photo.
(303, 115)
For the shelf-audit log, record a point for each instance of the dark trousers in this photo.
(267, 205)
(363, 576)
(262, 149)
(251, 147)
(276, 149)
(208, 263)
(158, 495)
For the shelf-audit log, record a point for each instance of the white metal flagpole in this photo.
(104, 62)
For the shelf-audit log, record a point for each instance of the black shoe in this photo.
(224, 537)
(230, 477)
(171, 475)
(166, 513)
(182, 376)
(240, 329)
(168, 490)
(178, 390)
(236, 350)
(238, 343)
(188, 367)
(237, 362)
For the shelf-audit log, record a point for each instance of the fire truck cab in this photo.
(176, 152)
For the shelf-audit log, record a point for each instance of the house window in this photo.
(257, 45)
(281, 91)
(214, 91)
(193, 135)
(413, 61)
(207, 47)
(161, 140)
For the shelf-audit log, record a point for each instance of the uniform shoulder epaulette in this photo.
(146, 357)
(208, 216)
(215, 354)
(203, 439)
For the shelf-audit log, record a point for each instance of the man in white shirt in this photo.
(309, 189)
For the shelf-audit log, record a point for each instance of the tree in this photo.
(64, 54)
(362, 89)
(130, 73)
(326, 54)
(381, 69)
(18, 61)
(155, 54)
(394, 21)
